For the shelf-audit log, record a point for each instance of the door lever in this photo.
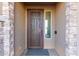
(55, 32)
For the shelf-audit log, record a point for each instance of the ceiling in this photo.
(40, 3)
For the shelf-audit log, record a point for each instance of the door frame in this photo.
(26, 26)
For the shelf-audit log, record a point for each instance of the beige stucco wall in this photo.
(19, 28)
(60, 27)
(48, 43)
(0, 8)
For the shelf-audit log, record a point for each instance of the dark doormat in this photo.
(37, 52)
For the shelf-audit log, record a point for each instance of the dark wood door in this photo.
(35, 29)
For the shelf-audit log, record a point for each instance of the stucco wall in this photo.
(19, 28)
(0, 8)
(48, 43)
(60, 27)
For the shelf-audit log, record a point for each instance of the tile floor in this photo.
(51, 52)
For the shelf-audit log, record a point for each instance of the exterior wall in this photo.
(0, 8)
(7, 17)
(72, 29)
(19, 28)
(60, 27)
(64, 45)
(67, 39)
(1, 32)
(48, 43)
(11, 17)
(26, 29)
(1, 37)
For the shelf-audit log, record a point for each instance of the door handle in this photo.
(55, 32)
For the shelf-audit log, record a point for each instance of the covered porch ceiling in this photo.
(40, 3)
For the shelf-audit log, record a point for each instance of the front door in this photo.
(35, 28)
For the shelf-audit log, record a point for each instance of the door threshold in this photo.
(35, 47)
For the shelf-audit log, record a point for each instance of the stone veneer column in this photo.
(11, 17)
(1, 38)
(72, 28)
(8, 12)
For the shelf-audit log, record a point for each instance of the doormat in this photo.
(37, 52)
